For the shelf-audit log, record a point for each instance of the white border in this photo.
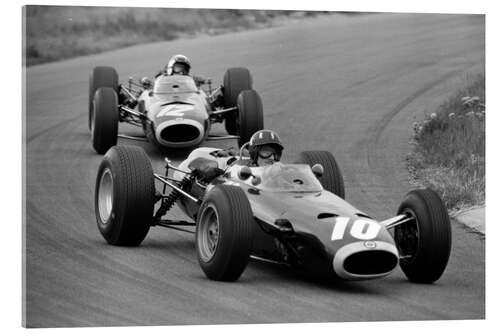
(11, 163)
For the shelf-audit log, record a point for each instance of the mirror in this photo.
(245, 173)
(318, 170)
(146, 83)
(256, 180)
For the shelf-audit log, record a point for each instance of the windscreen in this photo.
(174, 84)
(281, 177)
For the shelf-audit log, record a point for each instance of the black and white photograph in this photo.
(214, 166)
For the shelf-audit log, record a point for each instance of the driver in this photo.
(179, 64)
(265, 148)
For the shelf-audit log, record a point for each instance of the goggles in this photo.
(179, 68)
(266, 153)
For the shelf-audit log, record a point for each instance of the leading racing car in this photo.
(287, 213)
(173, 111)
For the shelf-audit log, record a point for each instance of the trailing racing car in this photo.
(173, 111)
(286, 213)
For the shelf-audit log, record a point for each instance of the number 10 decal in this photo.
(360, 229)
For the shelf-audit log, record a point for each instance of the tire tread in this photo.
(435, 236)
(133, 210)
(232, 256)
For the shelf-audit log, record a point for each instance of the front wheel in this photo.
(101, 77)
(424, 243)
(105, 117)
(224, 233)
(124, 196)
(236, 80)
(250, 115)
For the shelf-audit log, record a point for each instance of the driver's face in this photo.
(264, 161)
(266, 156)
(179, 69)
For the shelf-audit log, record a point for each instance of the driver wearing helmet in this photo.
(265, 148)
(179, 64)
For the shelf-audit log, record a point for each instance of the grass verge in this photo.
(449, 147)
(61, 32)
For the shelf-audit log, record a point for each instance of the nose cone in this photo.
(365, 260)
(180, 125)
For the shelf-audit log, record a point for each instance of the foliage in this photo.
(449, 147)
(59, 32)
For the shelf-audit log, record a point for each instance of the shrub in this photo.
(449, 147)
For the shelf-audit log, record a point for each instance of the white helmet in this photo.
(178, 64)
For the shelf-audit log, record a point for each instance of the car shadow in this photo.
(274, 272)
(290, 275)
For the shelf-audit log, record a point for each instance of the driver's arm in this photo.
(208, 173)
(199, 80)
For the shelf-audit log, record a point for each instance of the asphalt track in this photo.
(350, 85)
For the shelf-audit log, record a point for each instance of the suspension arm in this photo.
(217, 112)
(213, 95)
(132, 112)
(176, 188)
(128, 92)
(397, 220)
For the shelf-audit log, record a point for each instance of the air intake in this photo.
(180, 133)
(326, 215)
(370, 262)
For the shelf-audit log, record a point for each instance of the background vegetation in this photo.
(56, 32)
(449, 147)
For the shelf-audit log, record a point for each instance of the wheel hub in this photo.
(105, 196)
(208, 235)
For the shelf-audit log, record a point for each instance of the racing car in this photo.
(173, 111)
(293, 214)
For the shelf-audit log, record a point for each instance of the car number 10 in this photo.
(360, 229)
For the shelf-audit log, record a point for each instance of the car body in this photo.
(178, 112)
(328, 234)
(283, 213)
(174, 111)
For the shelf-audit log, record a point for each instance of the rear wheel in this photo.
(124, 196)
(101, 77)
(236, 80)
(424, 243)
(224, 233)
(250, 115)
(104, 127)
(331, 179)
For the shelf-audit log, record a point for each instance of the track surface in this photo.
(352, 86)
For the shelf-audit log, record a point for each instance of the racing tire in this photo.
(235, 81)
(125, 196)
(250, 115)
(101, 77)
(104, 120)
(425, 243)
(224, 232)
(332, 179)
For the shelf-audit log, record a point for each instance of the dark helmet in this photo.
(178, 59)
(262, 138)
